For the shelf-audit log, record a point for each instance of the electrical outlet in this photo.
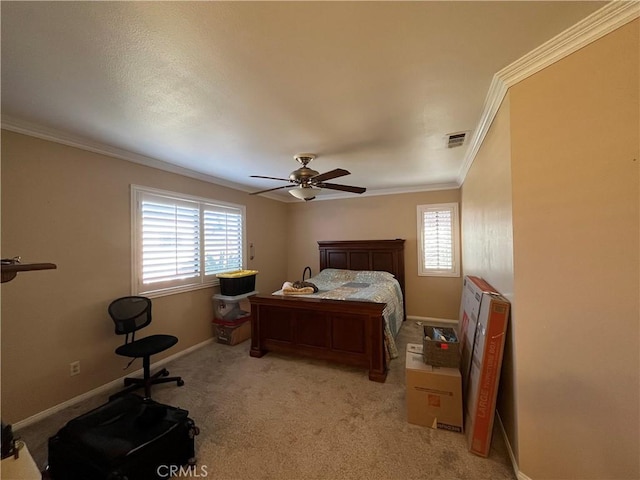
(74, 368)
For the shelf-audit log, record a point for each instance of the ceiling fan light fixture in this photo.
(304, 193)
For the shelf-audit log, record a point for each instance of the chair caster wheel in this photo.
(165, 373)
(180, 383)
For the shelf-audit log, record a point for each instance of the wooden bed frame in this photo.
(346, 332)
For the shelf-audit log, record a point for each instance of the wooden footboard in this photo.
(346, 332)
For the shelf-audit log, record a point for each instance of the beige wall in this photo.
(364, 218)
(71, 207)
(572, 397)
(487, 241)
(576, 205)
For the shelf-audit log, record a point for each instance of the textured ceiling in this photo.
(233, 89)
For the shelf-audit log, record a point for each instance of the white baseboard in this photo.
(103, 388)
(430, 320)
(514, 462)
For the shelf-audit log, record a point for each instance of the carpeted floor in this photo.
(280, 417)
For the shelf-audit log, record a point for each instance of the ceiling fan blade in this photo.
(338, 172)
(272, 189)
(344, 188)
(271, 178)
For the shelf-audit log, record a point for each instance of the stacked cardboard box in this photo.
(434, 394)
(483, 325)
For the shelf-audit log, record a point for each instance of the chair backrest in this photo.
(130, 314)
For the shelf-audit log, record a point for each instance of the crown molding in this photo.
(57, 136)
(50, 134)
(492, 102)
(595, 26)
(600, 23)
(389, 191)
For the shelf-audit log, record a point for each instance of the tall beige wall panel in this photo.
(72, 208)
(575, 166)
(487, 241)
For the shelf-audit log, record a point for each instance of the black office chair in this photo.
(130, 314)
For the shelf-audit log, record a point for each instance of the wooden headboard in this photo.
(380, 255)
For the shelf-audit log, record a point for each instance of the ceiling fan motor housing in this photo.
(302, 175)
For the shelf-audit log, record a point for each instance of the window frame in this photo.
(171, 287)
(454, 271)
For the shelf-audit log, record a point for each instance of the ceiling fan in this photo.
(306, 182)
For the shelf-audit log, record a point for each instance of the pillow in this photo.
(368, 276)
(374, 276)
(336, 275)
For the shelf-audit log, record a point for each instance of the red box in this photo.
(484, 374)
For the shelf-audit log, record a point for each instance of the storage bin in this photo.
(438, 351)
(238, 282)
(228, 313)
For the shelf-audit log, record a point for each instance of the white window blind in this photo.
(181, 242)
(222, 240)
(438, 246)
(170, 241)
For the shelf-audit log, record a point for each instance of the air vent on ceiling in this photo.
(456, 139)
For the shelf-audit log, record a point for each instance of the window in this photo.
(438, 240)
(180, 242)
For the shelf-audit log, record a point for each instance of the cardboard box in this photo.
(472, 290)
(484, 375)
(232, 335)
(434, 394)
(440, 352)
